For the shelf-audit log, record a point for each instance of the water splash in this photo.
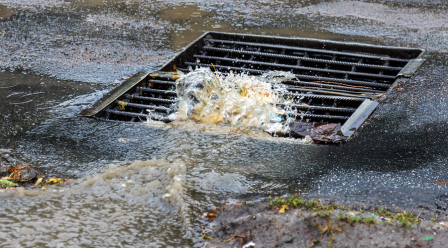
(235, 99)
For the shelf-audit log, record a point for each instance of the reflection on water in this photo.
(26, 98)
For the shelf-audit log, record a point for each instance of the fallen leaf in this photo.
(54, 180)
(282, 211)
(6, 184)
(6, 178)
(39, 181)
(43, 188)
(441, 183)
(17, 169)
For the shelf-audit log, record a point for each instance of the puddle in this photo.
(27, 99)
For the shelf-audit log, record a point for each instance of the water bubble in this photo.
(236, 99)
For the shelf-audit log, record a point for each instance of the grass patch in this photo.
(295, 202)
(407, 220)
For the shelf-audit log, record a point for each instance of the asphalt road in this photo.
(74, 51)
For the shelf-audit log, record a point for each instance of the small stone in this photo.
(436, 228)
(5, 150)
(288, 240)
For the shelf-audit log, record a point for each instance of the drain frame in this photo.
(410, 59)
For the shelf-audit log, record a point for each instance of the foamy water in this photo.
(154, 203)
(235, 99)
(141, 203)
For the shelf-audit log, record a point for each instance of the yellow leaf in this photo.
(43, 188)
(54, 180)
(282, 211)
(39, 181)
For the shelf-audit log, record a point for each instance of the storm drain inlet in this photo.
(335, 88)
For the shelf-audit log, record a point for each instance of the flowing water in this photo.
(234, 99)
(141, 185)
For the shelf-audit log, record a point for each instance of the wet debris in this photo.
(318, 132)
(15, 173)
(441, 183)
(6, 183)
(208, 215)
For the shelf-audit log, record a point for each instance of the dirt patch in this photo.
(262, 225)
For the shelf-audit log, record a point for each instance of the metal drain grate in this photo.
(335, 82)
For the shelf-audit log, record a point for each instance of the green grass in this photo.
(294, 202)
(407, 220)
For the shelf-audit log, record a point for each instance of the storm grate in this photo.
(336, 82)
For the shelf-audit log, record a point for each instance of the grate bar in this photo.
(325, 97)
(331, 86)
(305, 77)
(318, 108)
(331, 82)
(307, 50)
(325, 61)
(150, 99)
(318, 84)
(154, 81)
(326, 92)
(338, 117)
(149, 90)
(137, 115)
(296, 67)
(144, 106)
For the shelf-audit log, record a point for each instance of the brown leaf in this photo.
(209, 215)
(441, 183)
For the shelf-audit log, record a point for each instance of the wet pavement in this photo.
(59, 57)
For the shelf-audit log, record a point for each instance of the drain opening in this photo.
(335, 82)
